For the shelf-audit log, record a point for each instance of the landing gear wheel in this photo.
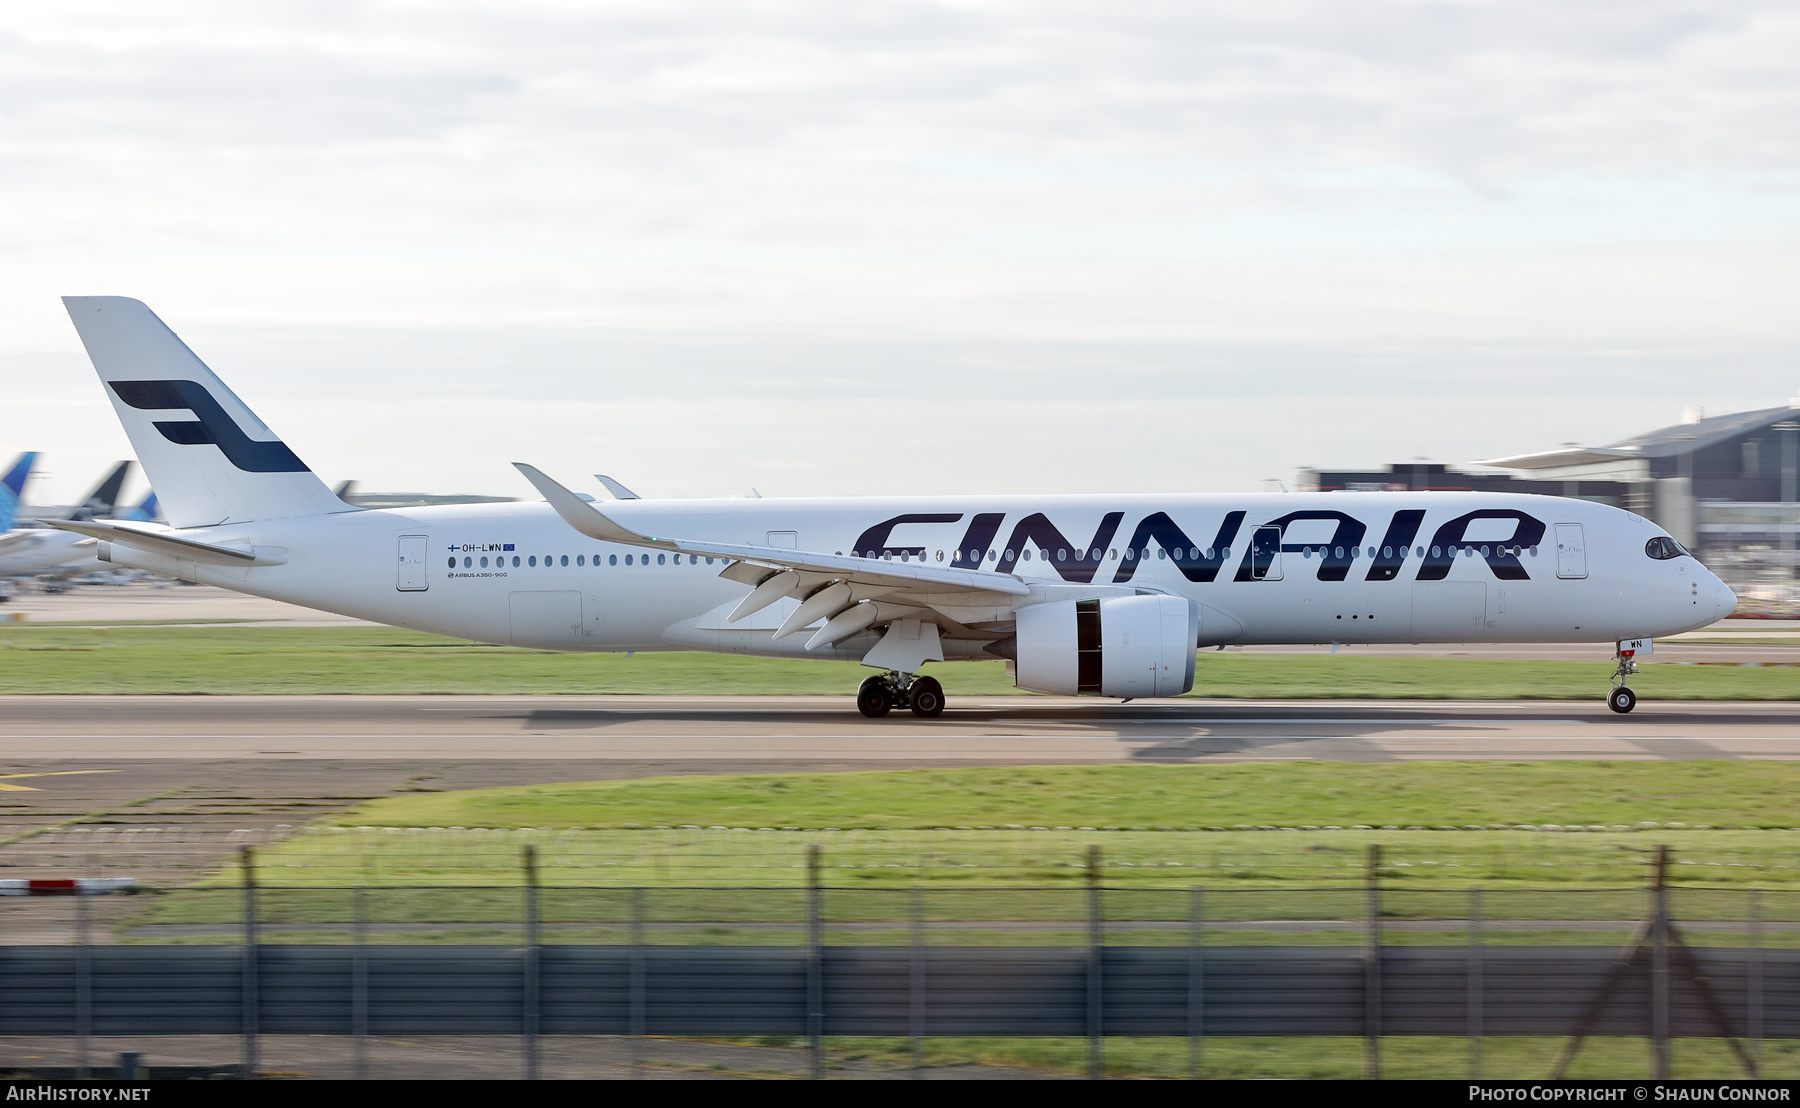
(873, 699)
(1621, 700)
(927, 698)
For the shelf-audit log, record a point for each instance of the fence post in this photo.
(1196, 982)
(247, 859)
(637, 982)
(815, 969)
(359, 982)
(1475, 983)
(1096, 1058)
(1753, 1022)
(1372, 965)
(84, 986)
(916, 981)
(1659, 963)
(532, 976)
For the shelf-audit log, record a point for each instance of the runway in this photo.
(827, 731)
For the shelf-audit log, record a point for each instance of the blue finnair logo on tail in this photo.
(211, 425)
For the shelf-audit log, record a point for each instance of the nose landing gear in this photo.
(1622, 699)
(877, 696)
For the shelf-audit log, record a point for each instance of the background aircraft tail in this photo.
(102, 498)
(12, 488)
(211, 460)
(145, 512)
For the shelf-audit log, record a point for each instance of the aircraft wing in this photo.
(831, 584)
(14, 540)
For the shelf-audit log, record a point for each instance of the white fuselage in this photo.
(1329, 567)
(38, 550)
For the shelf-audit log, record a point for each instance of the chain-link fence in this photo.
(1106, 965)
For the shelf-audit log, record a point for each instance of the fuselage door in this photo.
(412, 564)
(1571, 551)
(1265, 554)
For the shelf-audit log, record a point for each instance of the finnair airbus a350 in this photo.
(1100, 595)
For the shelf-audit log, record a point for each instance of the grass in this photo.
(1144, 797)
(1325, 1057)
(256, 660)
(1279, 825)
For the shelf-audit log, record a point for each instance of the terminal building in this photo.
(1724, 486)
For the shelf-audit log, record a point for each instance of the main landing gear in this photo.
(1622, 699)
(877, 696)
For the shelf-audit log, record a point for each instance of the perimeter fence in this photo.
(1092, 959)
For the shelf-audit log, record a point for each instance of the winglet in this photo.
(578, 513)
(620, 492)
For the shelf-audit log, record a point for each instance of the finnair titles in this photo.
(1082, 595)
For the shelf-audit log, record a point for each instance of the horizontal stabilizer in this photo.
(159, 542)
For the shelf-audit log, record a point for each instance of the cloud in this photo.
(834, 202)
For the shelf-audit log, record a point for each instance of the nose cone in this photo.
(1719, 595)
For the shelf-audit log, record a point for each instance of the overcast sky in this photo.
(826, 248)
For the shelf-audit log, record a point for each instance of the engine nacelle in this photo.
(1126, 646)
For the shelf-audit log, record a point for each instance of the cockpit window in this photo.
(1662, 548)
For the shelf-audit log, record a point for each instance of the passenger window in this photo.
(532, 561)
(627, 559)
(709, 561)
(452, 562)
(580, 560)
(484, 563)
(659, 559)
(466, 562)
(613, 559)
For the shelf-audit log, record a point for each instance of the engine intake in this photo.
(1126, 646)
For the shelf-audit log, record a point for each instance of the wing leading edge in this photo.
(852, 594)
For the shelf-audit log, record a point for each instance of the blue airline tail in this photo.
(12, 488)
(145, 512)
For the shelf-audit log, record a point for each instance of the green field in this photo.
(1295, 825)
(212, 659)
(996, 857)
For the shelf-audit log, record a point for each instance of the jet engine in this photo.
(1126, 646)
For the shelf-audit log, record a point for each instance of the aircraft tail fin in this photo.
(103, 498)
(145, 512)
(211, 459)
(12, 488)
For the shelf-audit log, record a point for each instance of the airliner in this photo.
(37, 549)
(1108, 596)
